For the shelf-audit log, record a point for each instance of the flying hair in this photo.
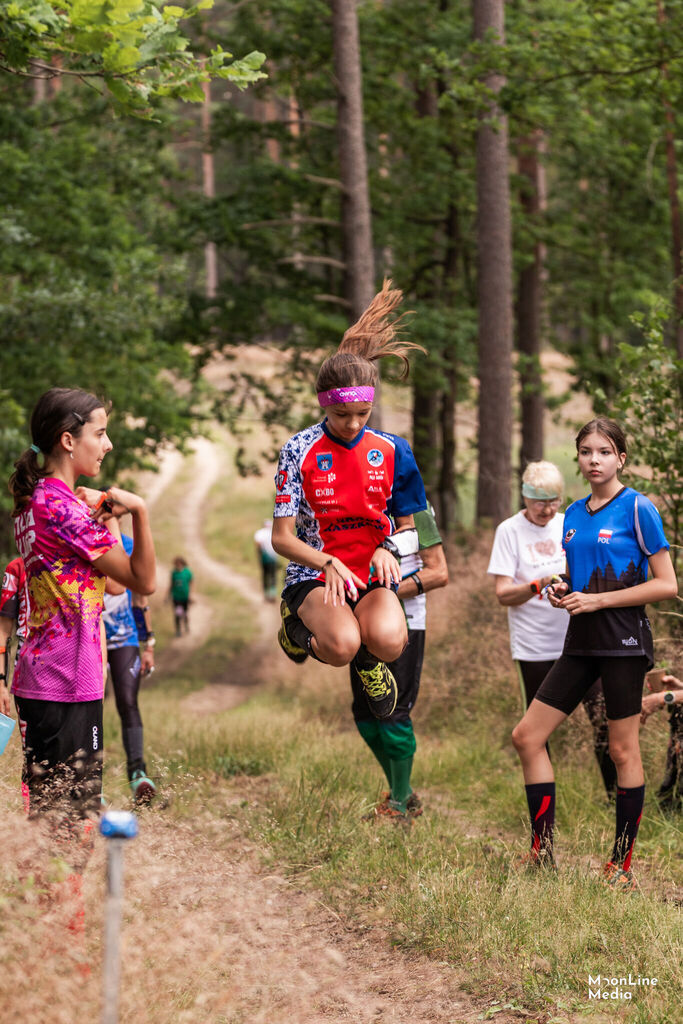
(374, 335)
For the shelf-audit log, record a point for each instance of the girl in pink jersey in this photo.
(338, 483)
(68, 553)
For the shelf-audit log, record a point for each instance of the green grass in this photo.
(450, 887)
(290, 768)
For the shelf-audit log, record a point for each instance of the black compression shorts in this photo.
(296, 594)
(572, 676)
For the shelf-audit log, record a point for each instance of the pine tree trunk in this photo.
(495, 291)
(447, 484)
(425, 432)
(209, 189)
(530, 308)
(356, 221)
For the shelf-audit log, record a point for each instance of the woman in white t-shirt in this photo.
(527, 553)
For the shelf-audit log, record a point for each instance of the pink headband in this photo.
(335, 396)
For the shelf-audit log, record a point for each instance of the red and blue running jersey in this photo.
(608, 550)
(14, 596)
(342, 493)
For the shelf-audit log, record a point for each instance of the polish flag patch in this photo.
(604, 536)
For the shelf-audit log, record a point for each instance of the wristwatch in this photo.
(669, 697)
(151, 640)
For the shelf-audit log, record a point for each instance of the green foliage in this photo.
(135, 48)
(589, 76)
(650, 406)
(90, 288)
(586, 75)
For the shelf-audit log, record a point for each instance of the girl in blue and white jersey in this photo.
(611, 539)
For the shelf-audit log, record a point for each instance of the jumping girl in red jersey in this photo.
(337, 484)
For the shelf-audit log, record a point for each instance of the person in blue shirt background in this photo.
(611, 538)
(127, 664)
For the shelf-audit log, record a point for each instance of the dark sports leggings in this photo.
(124, 663)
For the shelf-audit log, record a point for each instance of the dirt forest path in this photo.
(287, 957)
(208, 461)
(264, 659)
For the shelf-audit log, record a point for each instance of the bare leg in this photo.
(382, 624)
(336, 633)
(530, 737)
(624, 748)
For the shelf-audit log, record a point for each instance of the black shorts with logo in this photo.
(572, 676)
(62, 755)
(295, 595)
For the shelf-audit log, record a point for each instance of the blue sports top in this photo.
(608, 550)
(119, 622)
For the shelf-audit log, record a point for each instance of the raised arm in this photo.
(137, 572)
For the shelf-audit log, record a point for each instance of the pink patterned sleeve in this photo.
(75, 527)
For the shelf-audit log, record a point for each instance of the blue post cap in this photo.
(119, 825)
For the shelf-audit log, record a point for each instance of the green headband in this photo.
(538, 493)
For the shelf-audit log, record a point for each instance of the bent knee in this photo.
(518, 736)
(386, 644)
(623, 753)
(340, 649)
(525, 739)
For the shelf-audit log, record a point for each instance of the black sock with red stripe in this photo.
(541, 799)
(629, 812)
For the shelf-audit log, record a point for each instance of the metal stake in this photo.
(117, 827)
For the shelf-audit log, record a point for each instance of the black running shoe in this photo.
(380, 689)
(291, 649)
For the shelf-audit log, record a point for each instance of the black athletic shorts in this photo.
(533, 673)
(62, 755)
(572, 676)
(406, 670)
(295, 595)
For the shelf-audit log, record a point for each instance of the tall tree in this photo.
(495, 284)
(530, 301)
(353, 164)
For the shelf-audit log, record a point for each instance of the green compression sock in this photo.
(400, 782)
(370, 732)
